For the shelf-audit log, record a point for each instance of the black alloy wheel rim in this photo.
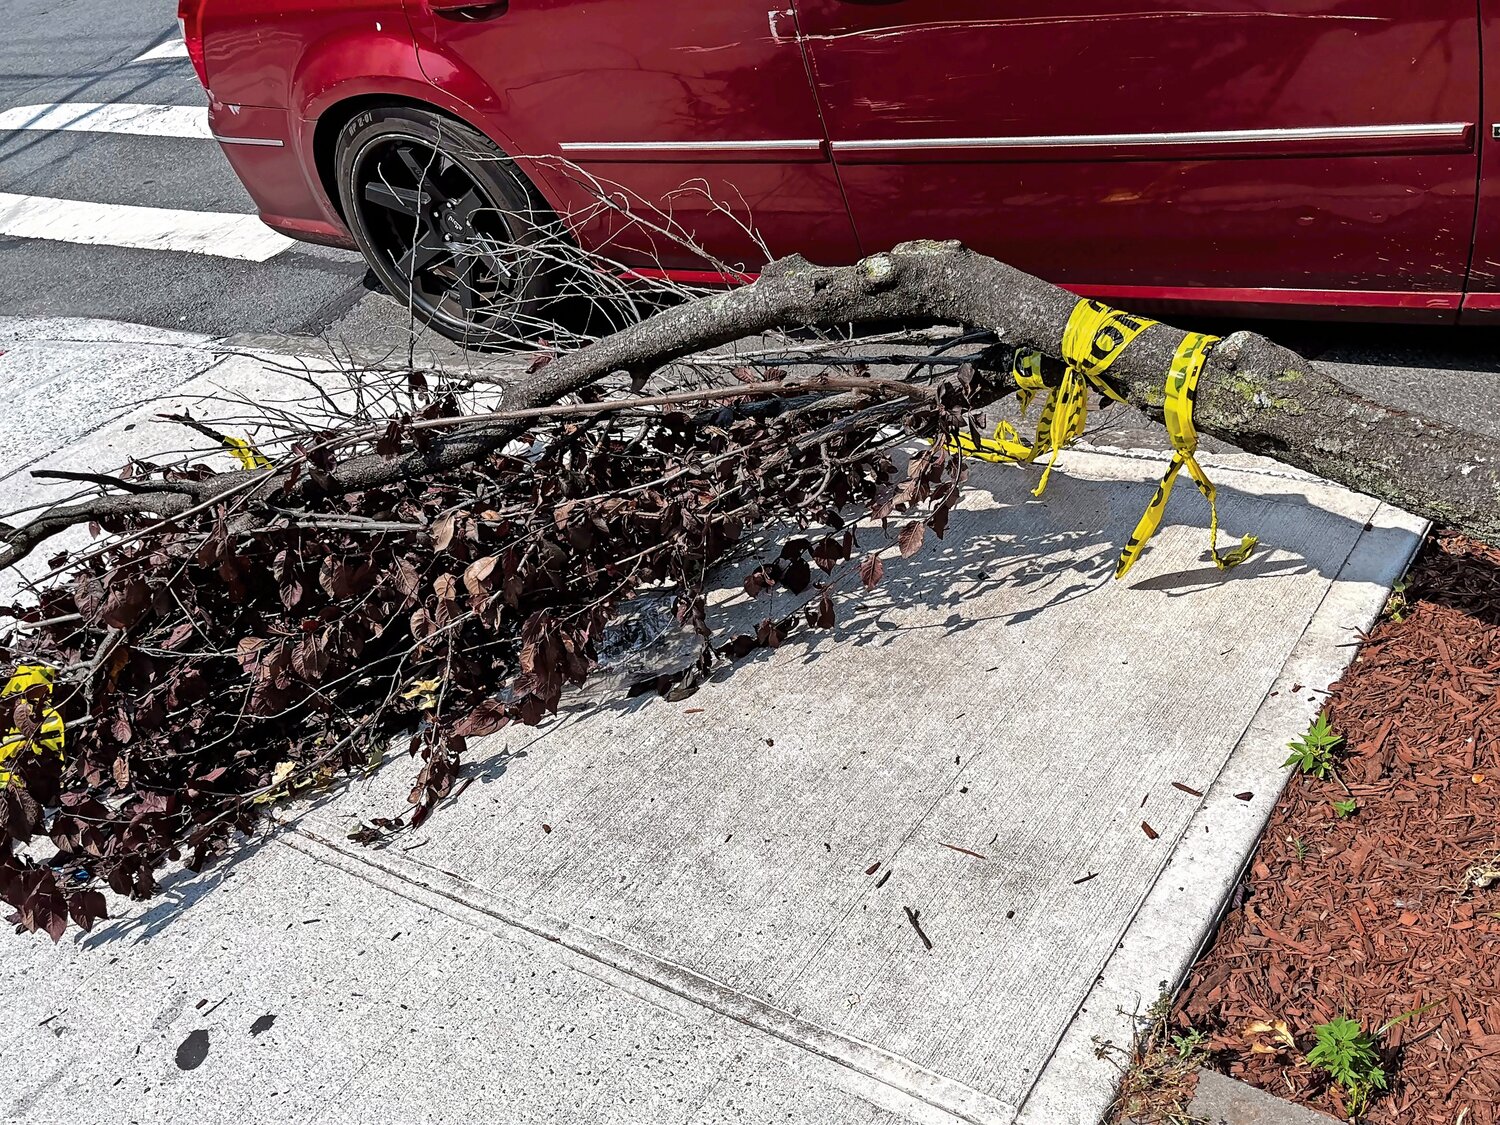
(452, 248)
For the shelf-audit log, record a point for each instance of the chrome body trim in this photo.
(258, 142)
(1456, 131)
(637, 147)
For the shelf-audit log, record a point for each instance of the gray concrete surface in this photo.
(54, 367)
(695, 939)
(1221, 1100)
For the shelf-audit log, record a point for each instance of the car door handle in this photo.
(468, 9)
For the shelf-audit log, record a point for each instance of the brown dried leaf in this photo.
(909, 541)
(477, 575)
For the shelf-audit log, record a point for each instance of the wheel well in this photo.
(332, 122)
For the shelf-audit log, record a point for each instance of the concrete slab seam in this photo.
(419, 884)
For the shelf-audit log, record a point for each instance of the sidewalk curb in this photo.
(1222, 1100)
(1209, 859)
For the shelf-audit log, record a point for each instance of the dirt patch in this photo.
(1397, 906)
(1160, 1072)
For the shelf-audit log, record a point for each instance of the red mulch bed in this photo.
(1377, 916)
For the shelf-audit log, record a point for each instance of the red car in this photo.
(1322, 157)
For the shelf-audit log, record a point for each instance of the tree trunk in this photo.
(1253, 393)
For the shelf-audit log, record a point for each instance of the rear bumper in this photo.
(270, 151)
(320, 231)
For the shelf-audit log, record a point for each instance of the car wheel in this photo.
(447, 223)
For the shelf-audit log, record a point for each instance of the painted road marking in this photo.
(171, 49)
(243, 237)
(117, 117)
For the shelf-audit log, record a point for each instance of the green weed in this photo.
(1397, 606)
(1314, 752)
(1347, 1052)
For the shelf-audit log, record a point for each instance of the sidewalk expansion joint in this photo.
(444, 891)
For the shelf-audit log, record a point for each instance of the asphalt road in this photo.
(90, 51)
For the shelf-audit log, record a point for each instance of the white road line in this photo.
(146, 228)
(113, 117)
(171, 49)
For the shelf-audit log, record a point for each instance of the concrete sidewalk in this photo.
(702, 911)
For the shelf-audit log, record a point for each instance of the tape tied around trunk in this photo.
(1182, 392)
(1094, 338)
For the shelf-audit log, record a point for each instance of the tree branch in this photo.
(1253, 393)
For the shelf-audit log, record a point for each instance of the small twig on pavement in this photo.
(914, 916)
(962, 851)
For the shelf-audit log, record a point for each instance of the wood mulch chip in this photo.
(1389, 910)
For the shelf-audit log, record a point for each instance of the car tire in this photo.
(447, 223)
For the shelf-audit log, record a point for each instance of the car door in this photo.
(1275, 151)
(1482, 302)
(701, 112)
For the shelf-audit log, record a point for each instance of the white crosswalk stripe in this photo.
(128, 209)
(171, 49)
(111, 117)
(147, 228)
(217, 234)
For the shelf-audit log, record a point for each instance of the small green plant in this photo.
(1313, 753)
(1347, 1052)
(1189, 1046)
(1347, 807)
(1299, 847)
(1396, 606)
(1409, 1014)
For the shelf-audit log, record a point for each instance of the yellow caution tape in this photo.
(49, 736)
(245, 453)
(1093, 339)
(1026, 370)
(1095, 336)
(1182, 391)
(1005, 445)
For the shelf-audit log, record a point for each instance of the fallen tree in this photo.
(238, 636)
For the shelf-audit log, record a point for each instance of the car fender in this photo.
(352, 64)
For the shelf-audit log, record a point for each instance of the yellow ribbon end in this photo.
(1230, 559)
(245, 453)
(1181, 390)
(48, 738)
(1093, 340)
